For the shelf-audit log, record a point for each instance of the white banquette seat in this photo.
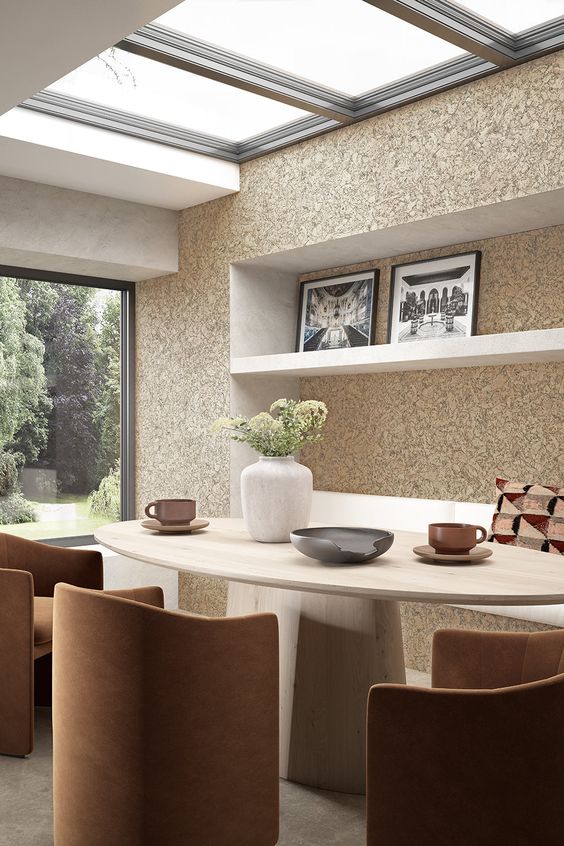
(398, 513)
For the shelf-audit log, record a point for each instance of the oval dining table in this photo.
(340, 627)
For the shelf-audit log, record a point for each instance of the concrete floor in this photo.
(308, 817)
(25, 791)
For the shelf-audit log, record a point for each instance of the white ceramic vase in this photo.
(276, 498)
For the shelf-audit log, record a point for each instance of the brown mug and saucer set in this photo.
(454, 542)
(173, 516)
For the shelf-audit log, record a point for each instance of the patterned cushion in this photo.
(530, 516)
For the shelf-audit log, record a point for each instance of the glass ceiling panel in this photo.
(346, 45)
(121, 80)
(516, 15)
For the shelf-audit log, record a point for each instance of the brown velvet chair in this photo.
(479, 760)
(165, 725)
(29, 572)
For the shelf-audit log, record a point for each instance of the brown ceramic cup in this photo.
(172, 512)
(455, 538)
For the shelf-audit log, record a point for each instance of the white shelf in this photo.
(479, 350)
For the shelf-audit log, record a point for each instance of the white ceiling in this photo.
(41, 40)
(71, 155)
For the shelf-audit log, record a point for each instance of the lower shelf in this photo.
(539, 345)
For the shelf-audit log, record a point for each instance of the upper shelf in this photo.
(479, 350)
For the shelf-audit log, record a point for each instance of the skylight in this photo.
(516, 15)
(346, 45)
(121, 80)
(237, 79)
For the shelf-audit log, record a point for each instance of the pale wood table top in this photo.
(511, 576)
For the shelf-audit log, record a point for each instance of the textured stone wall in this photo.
(439, 434)
(445, 434)
(493, 140)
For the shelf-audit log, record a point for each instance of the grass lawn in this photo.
(71, 518)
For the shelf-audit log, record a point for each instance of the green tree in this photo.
(22, 377)
(22, 389)
(71, 343)
(107, 411)
(39, 299)
(105, 502)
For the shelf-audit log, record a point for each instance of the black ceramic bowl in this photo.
(339, 545)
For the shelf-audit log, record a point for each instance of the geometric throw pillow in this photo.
(529, 515)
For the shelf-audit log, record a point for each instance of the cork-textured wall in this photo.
(182, 379)
(496, 139)
(440, 434)
(445, 434)
(491, 140)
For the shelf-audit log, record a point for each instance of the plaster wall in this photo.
(57, 229)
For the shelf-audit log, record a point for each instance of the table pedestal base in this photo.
(332, 649)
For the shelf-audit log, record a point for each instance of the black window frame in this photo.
(127, 381)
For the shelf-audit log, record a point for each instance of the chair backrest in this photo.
(478, 760)
(165, 725)
(51, 564)
(496, 659)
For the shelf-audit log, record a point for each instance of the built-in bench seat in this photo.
(410, 514)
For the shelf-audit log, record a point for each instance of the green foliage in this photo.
(12, 324)
(297, 423)
(60, 380)
(31, 438)
(36, 303)
(105, 502)
(107, 409)
(22, 379)
(8, 473)
(15, 509)
(70, 360)
(40, 299)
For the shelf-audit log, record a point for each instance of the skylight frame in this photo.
(492, 49)
(514, 16)
(346, 45)
(181, 51)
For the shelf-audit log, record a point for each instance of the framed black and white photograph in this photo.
(338, 312)
(434, 298)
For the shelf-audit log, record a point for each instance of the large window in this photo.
(64, 404)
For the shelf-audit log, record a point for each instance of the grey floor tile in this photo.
(308, 817)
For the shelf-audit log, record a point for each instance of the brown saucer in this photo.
(474, 555)
(184, 528)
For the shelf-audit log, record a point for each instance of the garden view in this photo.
(59, 407)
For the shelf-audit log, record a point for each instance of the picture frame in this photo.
(434, 298)
(338, 312)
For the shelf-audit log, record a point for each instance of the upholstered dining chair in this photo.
(479, 759)
(165, 725)
(29, 572)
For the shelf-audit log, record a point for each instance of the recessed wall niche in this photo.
(520, 287)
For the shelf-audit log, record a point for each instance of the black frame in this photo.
(127, 386)
(327, 280)
(473, 317)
